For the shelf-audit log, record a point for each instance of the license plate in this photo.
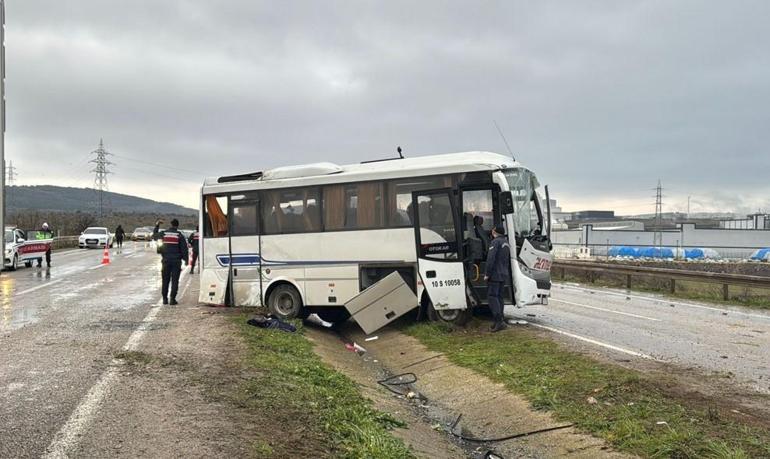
(92, 241)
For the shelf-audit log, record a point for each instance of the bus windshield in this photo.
(527, 208)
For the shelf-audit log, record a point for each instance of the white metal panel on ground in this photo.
(382, 303)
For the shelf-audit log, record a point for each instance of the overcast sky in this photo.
(600, 99)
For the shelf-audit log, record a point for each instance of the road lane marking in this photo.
(67, 438)
(663, 300)
(97, 267)
(596, 342)
(606, 310)
(47, 284)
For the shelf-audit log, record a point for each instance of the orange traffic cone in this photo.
(106, 257)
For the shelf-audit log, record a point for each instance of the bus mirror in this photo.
(506, 202)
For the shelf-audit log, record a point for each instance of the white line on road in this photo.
(67, 437)
(606, 310)
(663, 300)
(596, 342)
(97, 267)
(47, 284)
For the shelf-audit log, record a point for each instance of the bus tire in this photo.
(285, 302)
(450, 316)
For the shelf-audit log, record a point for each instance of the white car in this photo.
(95, 236)
(19, 250)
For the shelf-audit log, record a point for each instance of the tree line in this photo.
(73, 223)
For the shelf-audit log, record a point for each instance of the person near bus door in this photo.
(42, 234)
(120, 234)
(194, 245)
(497, 273)
(174, 253)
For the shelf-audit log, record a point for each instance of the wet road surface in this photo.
(60, 329)
(714, 339)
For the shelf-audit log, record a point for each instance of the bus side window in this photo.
(353, 206)
(291, 211)
(214, 218)
(400, 197)
(245, 219)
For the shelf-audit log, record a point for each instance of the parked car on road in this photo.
(95, 236)
(143, 233)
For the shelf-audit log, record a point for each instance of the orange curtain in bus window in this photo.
(217, 218)
(369, 208)
(334, 207)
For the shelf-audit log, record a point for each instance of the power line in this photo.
(101, 172)
(157, 164)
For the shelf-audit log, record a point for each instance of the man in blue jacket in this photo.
(497, 274)
(174, 252)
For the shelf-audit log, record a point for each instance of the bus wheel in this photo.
(334, 315)
(285, 302)
(450, 316)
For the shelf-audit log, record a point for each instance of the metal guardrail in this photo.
(64, 241)
(725, 279)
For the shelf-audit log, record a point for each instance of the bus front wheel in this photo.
(450, 316)
(285, 302)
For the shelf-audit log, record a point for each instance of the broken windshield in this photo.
(527, 212)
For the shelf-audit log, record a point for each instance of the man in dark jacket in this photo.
(195, 246)
(174, 252)
(498, 273)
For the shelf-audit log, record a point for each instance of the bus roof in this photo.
(322, 173)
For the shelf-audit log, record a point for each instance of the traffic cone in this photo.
(106, 257)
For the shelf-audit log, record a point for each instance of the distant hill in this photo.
(49, 198)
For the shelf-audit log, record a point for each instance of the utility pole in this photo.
(12, 174)
(2, 115)
(658, 236)
(101, 172)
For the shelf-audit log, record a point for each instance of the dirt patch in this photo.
(182, 394)
(488, 409)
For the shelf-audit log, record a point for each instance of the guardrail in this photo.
(725, 279)
(64, 241)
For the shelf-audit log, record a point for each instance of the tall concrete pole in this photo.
(2, 118)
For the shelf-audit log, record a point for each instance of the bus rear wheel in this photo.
(449, 316)
(285, 302)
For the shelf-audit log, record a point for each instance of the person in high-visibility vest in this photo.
(42, 234)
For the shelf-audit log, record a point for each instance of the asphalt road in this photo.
(713, 339)
(60, 329)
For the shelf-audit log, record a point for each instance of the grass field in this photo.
(300, 393)
(632, 412)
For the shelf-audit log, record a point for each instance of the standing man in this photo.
(120, 234)
(174, 252)
(42, 234)
(498, 272)
(194, 244)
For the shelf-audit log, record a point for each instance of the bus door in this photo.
(438, 242)
(480, 214)
(244, 249)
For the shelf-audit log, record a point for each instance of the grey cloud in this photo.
(601, 99)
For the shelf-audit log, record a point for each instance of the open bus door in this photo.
(244, 249)
(439, 260)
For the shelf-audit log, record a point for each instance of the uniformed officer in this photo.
(174, 252)
(497, 274)
(195, 246)
(42, 234)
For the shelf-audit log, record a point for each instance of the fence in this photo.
(560, 268)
